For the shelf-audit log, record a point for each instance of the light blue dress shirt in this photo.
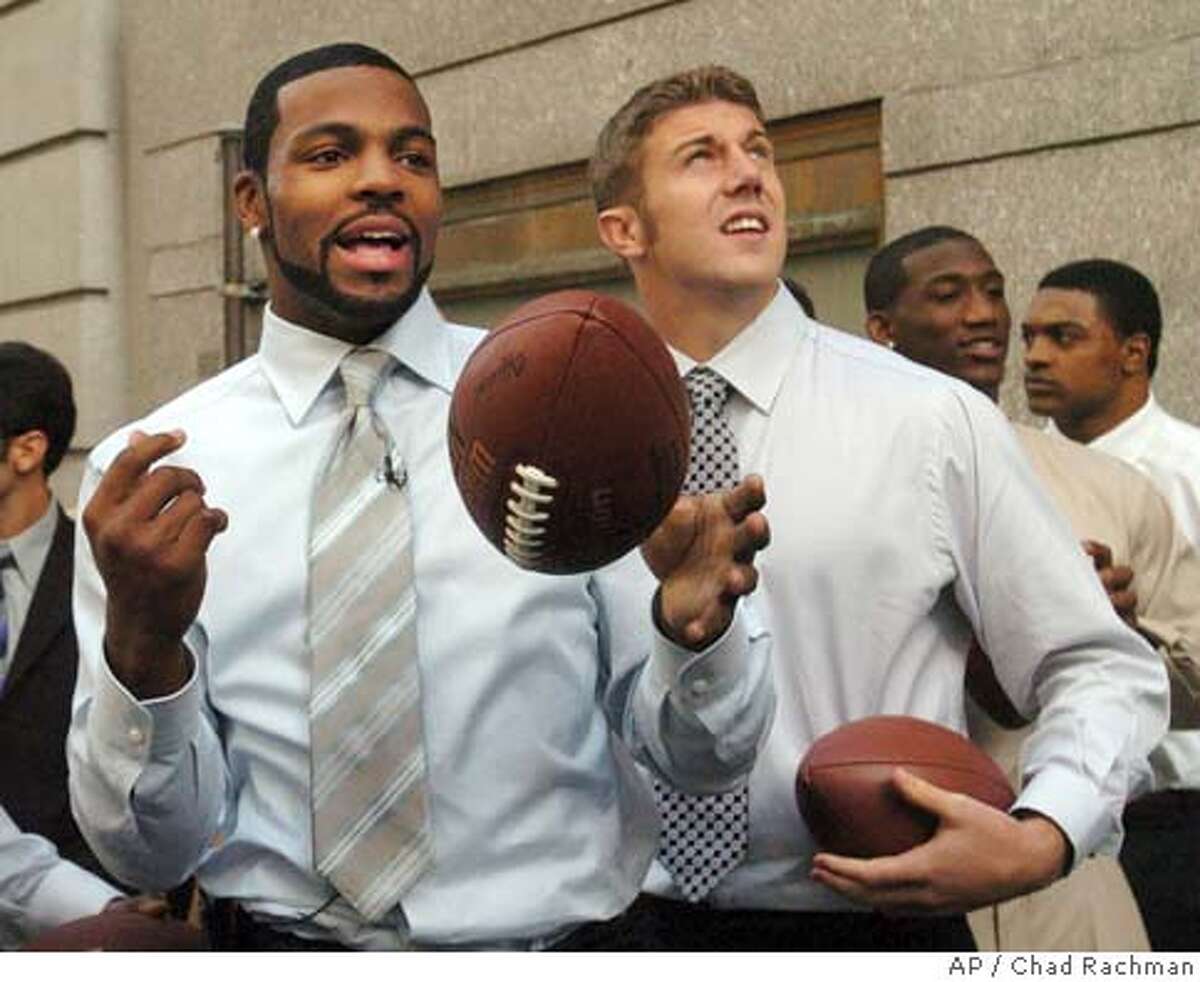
(904, 518)
(536, 691)
(39, 889)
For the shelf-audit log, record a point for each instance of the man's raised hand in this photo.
(703, 555)
(150, 529)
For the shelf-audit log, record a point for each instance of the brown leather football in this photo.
(569, 432)
(844, 783)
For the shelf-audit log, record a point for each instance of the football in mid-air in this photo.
(845, 792)
(569, 432)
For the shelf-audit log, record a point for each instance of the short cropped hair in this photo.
(886, 276)
(35, 394)
(262, 112)
(613, 169)
(1126, 298)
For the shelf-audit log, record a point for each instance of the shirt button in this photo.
(700, 686)
(137, 736)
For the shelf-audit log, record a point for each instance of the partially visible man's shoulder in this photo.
(886, 376)
(1108, 476)
(191, 407)
(1184, 434)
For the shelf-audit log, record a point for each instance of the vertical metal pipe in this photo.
(233, 257)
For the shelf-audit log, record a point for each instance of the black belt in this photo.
(232, 928)
(1178, 803)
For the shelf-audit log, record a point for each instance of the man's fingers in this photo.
(1100, 553)
(672, 538)
(126, 471)
(160, 488)
(748, 495)
(741, 580)
(883, 873)
(1116, 578)
(170, 522)
(142, 451)
(928, 797)
(199, 530)
(750, 536)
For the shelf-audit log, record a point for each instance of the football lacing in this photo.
(528, 513)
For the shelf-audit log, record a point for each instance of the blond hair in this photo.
(613, 169)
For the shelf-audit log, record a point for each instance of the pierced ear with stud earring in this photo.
(255, 232)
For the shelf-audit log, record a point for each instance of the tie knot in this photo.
(362, 370)
(706, 389)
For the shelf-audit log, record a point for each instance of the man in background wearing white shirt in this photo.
(1091, 346)
(893, 538)
(194, 742)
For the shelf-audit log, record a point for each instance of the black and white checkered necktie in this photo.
(704, 836)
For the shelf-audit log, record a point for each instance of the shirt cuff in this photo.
(68, 893)
(697, 679)
(1071, 802)
(144, 730)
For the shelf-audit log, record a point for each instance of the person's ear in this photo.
(250, 199)
(26, 452)
(622, 232)
(1135, 355)
(880, 330)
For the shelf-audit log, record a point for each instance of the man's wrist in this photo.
(148, 668)
(1050, 852)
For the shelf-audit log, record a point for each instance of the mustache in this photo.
(1042, 381)
(328, 240)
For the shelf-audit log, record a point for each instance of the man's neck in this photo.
(22, 507)
(700, 324)
(1087, 428)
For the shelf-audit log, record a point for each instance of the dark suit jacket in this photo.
(35, 708)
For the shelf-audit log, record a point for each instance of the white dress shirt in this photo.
(39, 889)
(903, 517)
(540, 819)
(1166, 450)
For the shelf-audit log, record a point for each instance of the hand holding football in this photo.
(844, 783)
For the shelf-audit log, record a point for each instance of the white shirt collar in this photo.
(31, 546)
(1129, 431)
(299, 362)
(756, 361)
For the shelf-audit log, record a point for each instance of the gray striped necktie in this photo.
(704, 836)
(371, 834)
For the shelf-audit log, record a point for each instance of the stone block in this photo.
(1065, 102)
(183, 192)
(181, 342)
(58, 71)
(185, 268)
(59, 205)
(192, 66)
